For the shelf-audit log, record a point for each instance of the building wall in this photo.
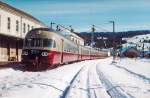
(11, 39)
(4, 15)
(3, 50)
(4, 30)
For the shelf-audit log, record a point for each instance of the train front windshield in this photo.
(38, 42)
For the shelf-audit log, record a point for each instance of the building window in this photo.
(17, 25)
(8, 23)
(28, 27)
(24, 28)
(78, 42)
(0, 22)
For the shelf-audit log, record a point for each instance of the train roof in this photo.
(62, 33)
(46, 29)
(39, 31)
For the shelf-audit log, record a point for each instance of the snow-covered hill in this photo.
(140, 41)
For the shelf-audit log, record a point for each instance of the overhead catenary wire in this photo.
(101, 28)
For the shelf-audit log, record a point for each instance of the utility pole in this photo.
(51, 25)
(143, 50)
(114, 44)
(113, 22)
(71, 29)
(92, 35)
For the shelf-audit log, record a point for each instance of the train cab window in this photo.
(27, 42)
(47, 42)
(37, 42)
(34, 42)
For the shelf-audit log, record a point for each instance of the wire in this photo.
(102, 28)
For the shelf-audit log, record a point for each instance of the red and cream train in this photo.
(44, 47)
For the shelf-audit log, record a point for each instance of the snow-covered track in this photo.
(95, 87)
(65, 92)
(86, 84)
(144, 78)
(113, 90)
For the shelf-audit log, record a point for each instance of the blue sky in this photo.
(81, 14)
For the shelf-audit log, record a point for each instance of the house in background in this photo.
(131, 52)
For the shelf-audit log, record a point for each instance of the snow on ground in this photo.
(136, 67)
(18, 84)
(128, 78)
(145, 60)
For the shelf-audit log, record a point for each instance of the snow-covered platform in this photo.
(127, 78)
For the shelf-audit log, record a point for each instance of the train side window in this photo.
(54, 44)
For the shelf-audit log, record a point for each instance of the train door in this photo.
(78, 53)
(62, 50)
(81, 54)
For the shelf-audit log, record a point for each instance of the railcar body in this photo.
(44, 47)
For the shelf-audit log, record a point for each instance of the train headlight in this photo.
(44, 53)
(24, 53)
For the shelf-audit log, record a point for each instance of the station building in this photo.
(14, 25)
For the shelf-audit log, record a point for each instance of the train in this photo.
(45, 47)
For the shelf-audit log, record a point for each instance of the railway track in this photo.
(142, 77)
(66, 91)
(95, 87)
(113, 90)
(85, 84)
